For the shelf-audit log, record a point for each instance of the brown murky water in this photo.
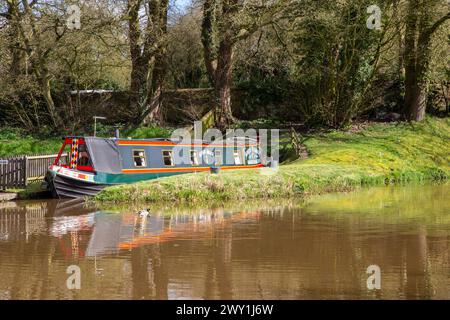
(279, 251)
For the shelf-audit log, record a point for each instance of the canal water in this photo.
(262, 250)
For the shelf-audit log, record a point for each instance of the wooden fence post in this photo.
(3, 176)
(24, 171)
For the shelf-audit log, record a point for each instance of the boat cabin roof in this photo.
(112, 155)
(193, 141)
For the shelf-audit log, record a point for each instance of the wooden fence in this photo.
(13, 173)
(16, 172)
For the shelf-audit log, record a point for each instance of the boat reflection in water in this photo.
(121, 255)
(111, 232)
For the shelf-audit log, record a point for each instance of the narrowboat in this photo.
(86, 165)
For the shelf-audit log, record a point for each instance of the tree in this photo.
(29, 37)
(47, 58)
(147, 40)
(226, 22)
(336, 58)
(420, 28)
(310, 61)
(186, 67)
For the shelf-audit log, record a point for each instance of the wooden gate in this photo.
(16, 172)
(13, 173)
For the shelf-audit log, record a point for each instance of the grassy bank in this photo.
(380, 153)
(32, 191)
(14, 142)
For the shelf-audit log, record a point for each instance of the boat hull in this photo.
(66, 183)
(66, 187)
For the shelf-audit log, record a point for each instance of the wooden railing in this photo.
(37, 165)
(13, 173)
(16, 172)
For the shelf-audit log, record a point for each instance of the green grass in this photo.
(382, 153)
(148, 132)
(14, 142)
(32, 191)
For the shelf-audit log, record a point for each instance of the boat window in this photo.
(83, 156)
(194, 158)
(218, 156)
(237, 154)
(139, 158)
(167, 157)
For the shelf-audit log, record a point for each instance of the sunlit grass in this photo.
(14, 142)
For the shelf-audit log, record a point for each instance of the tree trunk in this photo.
(17, 66)
(153, 113)
(410, 59)
(223, 82)
(219, 62)
(416, 102)
(418, 91)
(419, 32)
(47, 94)
(147, 48)
(138, 92)
(139, 67)
(400, 42)
(207, 39)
